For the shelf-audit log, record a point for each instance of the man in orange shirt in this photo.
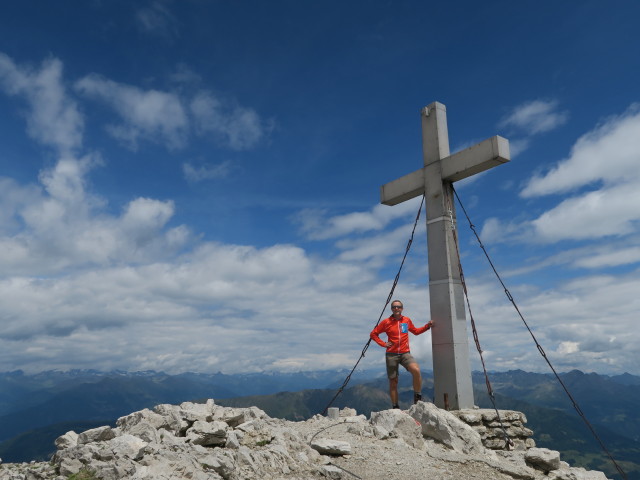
(397, 327)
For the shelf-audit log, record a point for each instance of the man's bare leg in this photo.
(393, 391)
(414, 370)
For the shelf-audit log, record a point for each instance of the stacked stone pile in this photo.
(211, 442)
(487, 423)
(195, 441)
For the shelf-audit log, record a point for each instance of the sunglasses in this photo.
(396, 306)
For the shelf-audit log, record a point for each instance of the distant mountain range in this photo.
(35, 409)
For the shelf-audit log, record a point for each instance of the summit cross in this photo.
(450, 346)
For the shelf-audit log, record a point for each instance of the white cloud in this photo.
(59, 223)
(162, 117)
(605, 159)
(529, 119)
(609, 154)
(193, 312)
(62, 226)
(603, 177)
(377, 247)
(53, 118)
(571, 322)
(613, 258)
(152, 114)
(157, 18)
(315, 225)
(603, 213)
(535, 117)
(239, 127)
(495, 231)
(206, 172)
(516, 147)
(566, 348)
(84, 285)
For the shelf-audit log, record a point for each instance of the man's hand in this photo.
(430, 324)
(389, 344)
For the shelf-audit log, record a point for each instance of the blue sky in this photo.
(194, 185)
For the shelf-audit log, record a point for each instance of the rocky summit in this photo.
(205, 441)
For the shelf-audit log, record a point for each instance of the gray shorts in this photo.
(394, 360)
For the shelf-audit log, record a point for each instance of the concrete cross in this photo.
(450, 346)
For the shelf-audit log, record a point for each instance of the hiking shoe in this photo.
(396, 406)
(417, 397)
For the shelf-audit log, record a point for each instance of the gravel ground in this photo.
(375, 459)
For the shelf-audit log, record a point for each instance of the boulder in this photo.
(192, 412)
(398, 424)
(446, 428)
(68, 440)
(237, 416)
(127, 446)
(70, 467)
(100, 434)
(326, 446)
(208, 433)
(542, 459)
(576, 473)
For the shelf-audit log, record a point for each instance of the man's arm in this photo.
(418, 331)
(375, 335)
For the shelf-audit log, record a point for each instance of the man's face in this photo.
(396, 308)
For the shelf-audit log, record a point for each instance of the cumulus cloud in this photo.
(568, 321)
(169, 118)
(600, 184)
(605, 162)
(92, 285)
(52, 118)
(195, 311)
(608, 155)
(602, 213)
(152, 114)
(61, 225)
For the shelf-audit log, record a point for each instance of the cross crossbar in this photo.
(478, 158)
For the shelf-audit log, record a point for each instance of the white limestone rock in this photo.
(237, 416)
(446, 428)
(127, 446)
(327, 446)
(333, 472)
(163, 445)
(192, 412)
(543, 459)
(100, 434)
(68, 440)
(207, 433)
(576, 473)
(70, 467)
(172, 418)
(348, 412)
(398, 424)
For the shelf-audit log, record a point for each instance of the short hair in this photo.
(397, 301)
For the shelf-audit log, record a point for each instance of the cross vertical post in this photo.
(450, 346)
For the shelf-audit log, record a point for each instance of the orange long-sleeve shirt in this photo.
(397, 332)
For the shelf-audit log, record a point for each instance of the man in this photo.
(397, 345)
